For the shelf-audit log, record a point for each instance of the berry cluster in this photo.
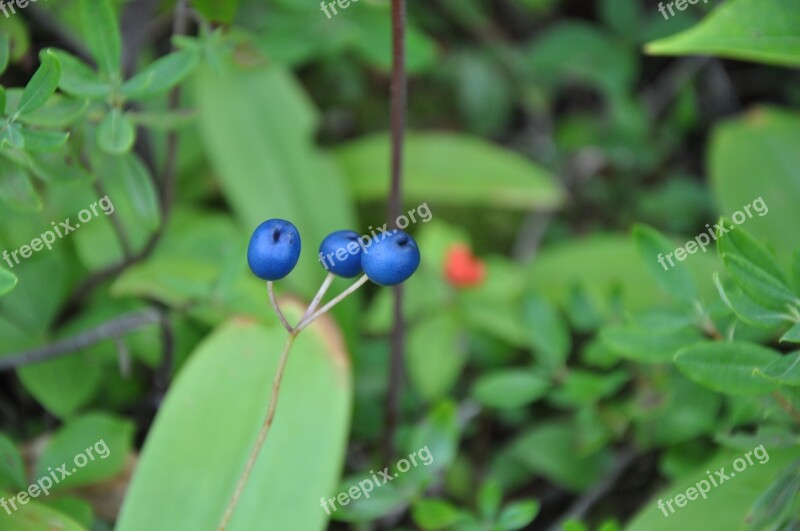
(275, 249)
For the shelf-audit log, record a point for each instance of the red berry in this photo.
(462, 269)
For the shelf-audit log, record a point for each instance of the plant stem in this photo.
(275, 305)
(339, 298)
(398, 105)
(262, 435)
(318, 297)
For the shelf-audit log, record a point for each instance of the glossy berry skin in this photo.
(392, 259)
(340, 253)
(274, 249)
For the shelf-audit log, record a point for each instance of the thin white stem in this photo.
(262, 435)
(318, 297)
(339, 298)
(274, 302)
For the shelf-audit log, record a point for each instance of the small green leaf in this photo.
(42, 85)
(116, 133)
(11, 135)
(160, 75)
(101, 30)
(741, 243)
(727, 367)
(2, 100)
(43, 140)
(435, 355)
(35, 515)
(657, 252)
(78, 79)
(217, 10)
(518, 514)
(58, 112)
(4, 52)
(746, 308)
(794, 272)
(785, 370)
(7, 281)
(777, 501)
(490, 496)
(509, 388)
(648, 345)
(435, 514)
(162, 120)
(94, 447)
(12, 471)
(16, 188)
(758, 284)
(792, 335)
(549, 335)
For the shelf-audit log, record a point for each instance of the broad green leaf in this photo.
(12, 470)
(727, 367)
(741, 29)
(101, 31)
(161, 75)
(435, 356)
(435, 514)
(7, 281)
(42, 85)
(784, 370)
(746, 308)
(116, 134)
(16, 189)
(265, 159)
(741, 243)
(217, 10)
(78, 79)
(36, 140)
(232, 371)
(450, 169)
(517, 515)
(657, 252)
(509, 388)
(549, 335)
(648, 345)
(34, 516)
(4, 53)
(754, 166)
(91, 448)
(758, 284)
(726, 506)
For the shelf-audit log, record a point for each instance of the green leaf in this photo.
(742, 243)
(4, 53)
(2, 100)
(657, 252)
(16, 189)
(450, 169)
(518, 514)
(94, 448)
(42, 85)
(435, 514)
(11, 135)
(549, 334)
(78, 79)
(116, 134)
(648, 345)
(509, 388)
(727, 367)
(12, 470)
(741, 29)
(784, 370)
(489, 498)
(792, 335)
(161, 75)
(746, 308)
(34, 516)
(754, 166)
(217, 10)
(101, 31)
(775, 504)
(36, 140)
(435, 355)
(758, 284)
(7, 281)
(196, 421)
(59, 111)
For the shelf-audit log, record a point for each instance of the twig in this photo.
(262, 435)
(326, 284)
(277, 308)
(109, 330)
(398, 104)
(339, 298)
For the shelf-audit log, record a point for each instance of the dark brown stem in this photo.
(398, 106)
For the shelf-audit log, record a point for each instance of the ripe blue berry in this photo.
(340, 253)
(274, 249)
(392, 259)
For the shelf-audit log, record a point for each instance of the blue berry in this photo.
(391, 259)
(274, 249)
(340, 253)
